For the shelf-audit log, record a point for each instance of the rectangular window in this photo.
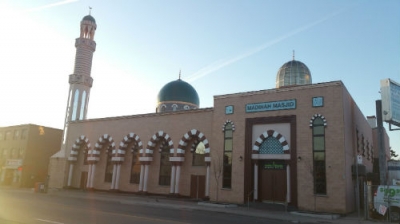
(109, 168)
(165, 168)
(227, 158)
(24, 134)
(199, 155)
(16, 134)
(228, 145)
(319, 143)
(319, 169)
(8, 135)
(135, 168)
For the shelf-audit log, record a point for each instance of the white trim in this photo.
(176, 159)
(118, 159)
(271, 156)
(145, 159)
(72, 159)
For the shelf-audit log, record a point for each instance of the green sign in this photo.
(274, 165)
(271, 106)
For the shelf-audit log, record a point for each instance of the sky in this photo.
(220, 47)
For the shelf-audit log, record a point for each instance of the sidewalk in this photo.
(185, 204)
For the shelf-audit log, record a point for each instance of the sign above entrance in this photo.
(13, 163)
(271, 106)
(274, 165)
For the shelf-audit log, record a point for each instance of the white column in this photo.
(141, 177)
(71, 169)
(118, 175)
(172, 185)
(93, 174)
(89, 176)
(208, 181)
(288, 183)
(146, 177)
(178, 175)
(255, 193)
(114, 175)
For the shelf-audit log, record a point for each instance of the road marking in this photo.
(49, 221)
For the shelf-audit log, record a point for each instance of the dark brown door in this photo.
(84, 177)
(273, 185)
(197, 186)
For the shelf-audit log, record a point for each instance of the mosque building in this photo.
(294, 144)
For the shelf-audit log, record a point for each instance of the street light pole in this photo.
(381, 144)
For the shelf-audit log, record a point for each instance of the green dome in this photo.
(180, 91)
(293, 73)
(89, 18)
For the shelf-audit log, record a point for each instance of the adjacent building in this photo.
(25, 151)
(294, 144)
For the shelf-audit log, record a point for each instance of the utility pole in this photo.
(381, 144)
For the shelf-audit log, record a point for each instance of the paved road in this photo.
(29, 208)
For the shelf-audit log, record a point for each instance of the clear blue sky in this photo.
(221, 46)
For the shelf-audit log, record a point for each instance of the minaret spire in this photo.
(293, 55)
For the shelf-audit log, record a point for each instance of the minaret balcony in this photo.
(80, 79)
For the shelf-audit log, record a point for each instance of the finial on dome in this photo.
(293, 55)
(179, 74)
(90, 10)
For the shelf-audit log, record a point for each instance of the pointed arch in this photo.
(82, 143)
(190, 135)
(270, 133)
(317, 116)
(123, 146)
(228, 122)
(155, 139)
(94, 154)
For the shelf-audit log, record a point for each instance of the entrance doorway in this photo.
(84, 177)
(8, 176)
(197, 186)
(273, 183)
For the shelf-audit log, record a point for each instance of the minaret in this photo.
(80, 81)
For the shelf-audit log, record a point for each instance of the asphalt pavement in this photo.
(252, 209)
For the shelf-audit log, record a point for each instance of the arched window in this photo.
(318, 136)
(83, 102)
(165, 166)
(199, 154)
(135, 166)
(271, 145)
(109, 166)
(227, 161)
(75, 106)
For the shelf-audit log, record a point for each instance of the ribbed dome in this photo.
(89, 18)
(178, 91)
(293, 73)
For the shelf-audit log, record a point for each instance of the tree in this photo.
(218, 166)
(393, 154)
